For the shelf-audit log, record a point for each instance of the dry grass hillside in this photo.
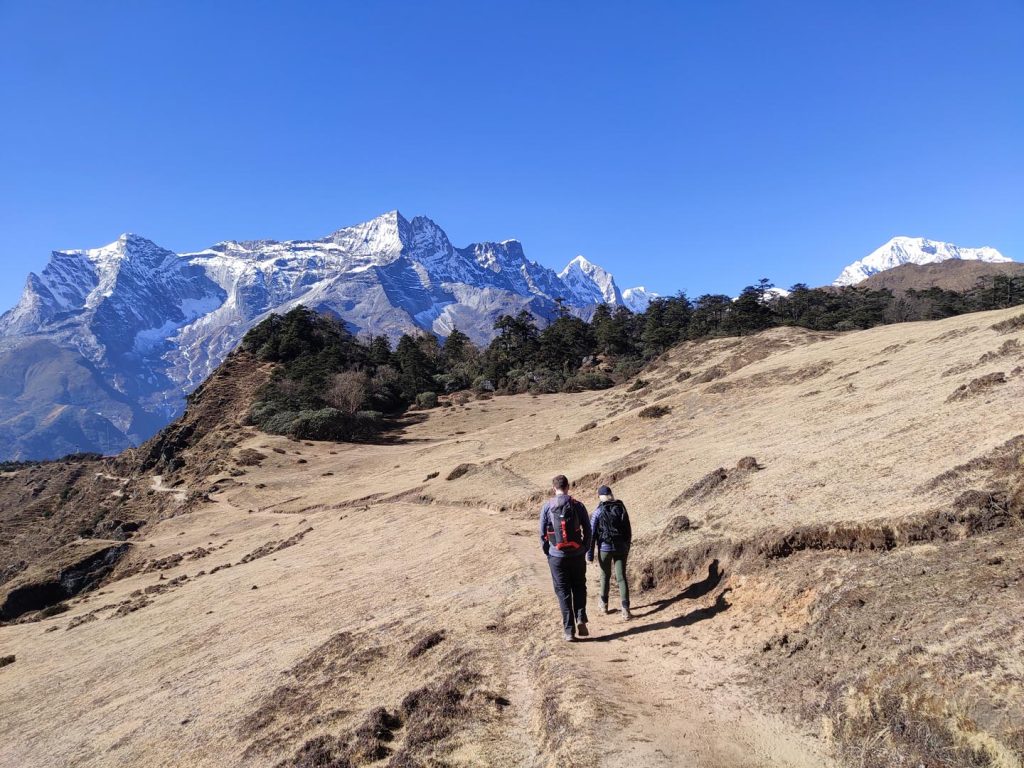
(828, 571)
(952, 275)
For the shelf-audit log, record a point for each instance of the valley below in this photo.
(827, 571)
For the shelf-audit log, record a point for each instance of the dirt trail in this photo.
(666, 698)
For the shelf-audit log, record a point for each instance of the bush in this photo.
(483, 384)
(654, 412)
(426, 400)
(638, 385)
(452, 382)
(323, 424)
(279, 424)
(367, 423)
(590, 380)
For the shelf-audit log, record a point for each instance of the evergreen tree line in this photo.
(331, 385)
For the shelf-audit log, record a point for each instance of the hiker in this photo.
(612, 534)
(565, 539)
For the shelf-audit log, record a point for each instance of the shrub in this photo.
(654, 412)
(589, 380)
(280, 423)
(367, 423)
(426, 400)
(483, 384)
(323, 424)
(638, 385)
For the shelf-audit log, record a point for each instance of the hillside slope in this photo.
(952, 275)
(846, 586)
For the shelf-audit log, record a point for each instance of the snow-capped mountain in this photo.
(638, 299)
(589, 283)
(912, 250)
(105, 343)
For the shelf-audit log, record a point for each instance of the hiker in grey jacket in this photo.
(565, 539)
(613, 535)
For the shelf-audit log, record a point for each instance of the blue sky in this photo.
(681, 145)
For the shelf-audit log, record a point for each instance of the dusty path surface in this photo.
(319, 582)
(665, 696)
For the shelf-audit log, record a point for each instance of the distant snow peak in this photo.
(912, 250)
(638, 299)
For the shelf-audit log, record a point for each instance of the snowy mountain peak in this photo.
(381, 236)
(148, 325)
(638, 299)
(912, 250)
(590, 283)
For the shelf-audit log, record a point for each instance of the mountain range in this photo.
(105, 344)
(913, 250)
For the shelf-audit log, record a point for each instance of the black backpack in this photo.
(564, 529)
(614, 523)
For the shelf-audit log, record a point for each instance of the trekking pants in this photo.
(569, 577)
(616, 560)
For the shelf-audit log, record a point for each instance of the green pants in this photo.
(608, 560)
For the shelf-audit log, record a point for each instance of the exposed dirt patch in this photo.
(250, 457)
(37, 592)
(713, 373)
(774, 377)
(718, 480)
(274, 546)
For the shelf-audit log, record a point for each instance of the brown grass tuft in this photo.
(460, 471)
(427, 642)
(1015, 323)
(977, 386)
(654, 412)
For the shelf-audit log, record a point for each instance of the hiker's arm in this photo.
(588, 538)
(543, 529)
(595, 522)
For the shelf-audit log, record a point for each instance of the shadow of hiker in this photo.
(701, 614)
(692, 592)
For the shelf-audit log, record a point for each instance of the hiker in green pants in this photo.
(613, 535)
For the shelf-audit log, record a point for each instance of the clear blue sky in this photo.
(693, 145)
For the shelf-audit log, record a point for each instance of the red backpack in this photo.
(564, 529)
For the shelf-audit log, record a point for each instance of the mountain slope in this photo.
(951, 275)
(105, 344)
(838, 587)
(912, 250)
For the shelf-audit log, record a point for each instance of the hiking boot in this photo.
(581, 629)
(626, 615)
(568, 636)
(603, 605)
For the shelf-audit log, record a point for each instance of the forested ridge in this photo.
(331, 385)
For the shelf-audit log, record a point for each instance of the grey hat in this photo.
(604, 490)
